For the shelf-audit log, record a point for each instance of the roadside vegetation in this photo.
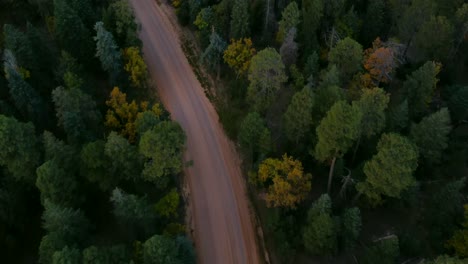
(351, 116)
(90, 160)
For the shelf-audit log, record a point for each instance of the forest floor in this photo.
(221, 216)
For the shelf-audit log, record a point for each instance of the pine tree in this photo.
(336, 134)
(107, 51)
(431, 135)
(240, 19)
(390, 171)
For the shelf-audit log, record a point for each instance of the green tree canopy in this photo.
(320, 232)
(126, 163)
(347, 55)
(76, 113)
(160, 250)
(390, 171)
(420, 86)
(298, 116)
(290, 18)
(26, 99)
(251, 130)
(67, 256)
(70, 223)
(107, 51)
(71, 31)
(130, 208)
(21, 152)
(385, 250)
(95, 165)
(431, 135)
(336, 133)
(163, 147)
(117, 254)
(435, 46)
(350, 227)
(240, 27)
(56, 184)
(312, 13)
(266, 75)
(372, 104)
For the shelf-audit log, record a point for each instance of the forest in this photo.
(90, 160)
(351, 116)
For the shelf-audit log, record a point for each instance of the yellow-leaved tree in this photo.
(459, 241)
(122, 115)
(135, 66)
(238, 55)
(287, 183)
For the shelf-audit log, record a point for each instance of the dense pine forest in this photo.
(90, 160)
(351, 116)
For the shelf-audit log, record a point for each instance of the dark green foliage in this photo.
(94, 165)
(398, 116)
(458, 103)
(50, 243)
(298, 117)
(71, 31)
(240, 19)
(56, 184)
(431, 135)
(347, 56)
(130, 208)
(117, 254)
(76, 113)
(26, 99)
(312, 13)
(266, 75)
(420, 86)
(146, 121)
(350, 227)
(69, 224)
(447, 260)
(18, 43)
(444, 212)
(119, 19)
(162, 147)
(320, 232)
(374, 21)
(385, 250)
(125, 162)
(21, 152)
(250, 132)
(165, 250)
(390, 171)
(67, 256)
(435, 46)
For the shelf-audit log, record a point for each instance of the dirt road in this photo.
(223, 228)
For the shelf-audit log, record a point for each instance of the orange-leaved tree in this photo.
(379, 61)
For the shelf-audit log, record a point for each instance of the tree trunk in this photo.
(330, 174)
(267, 14)
(356, 149)
(343, 187)
(356, 197)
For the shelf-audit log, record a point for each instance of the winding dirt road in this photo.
(223, 227)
